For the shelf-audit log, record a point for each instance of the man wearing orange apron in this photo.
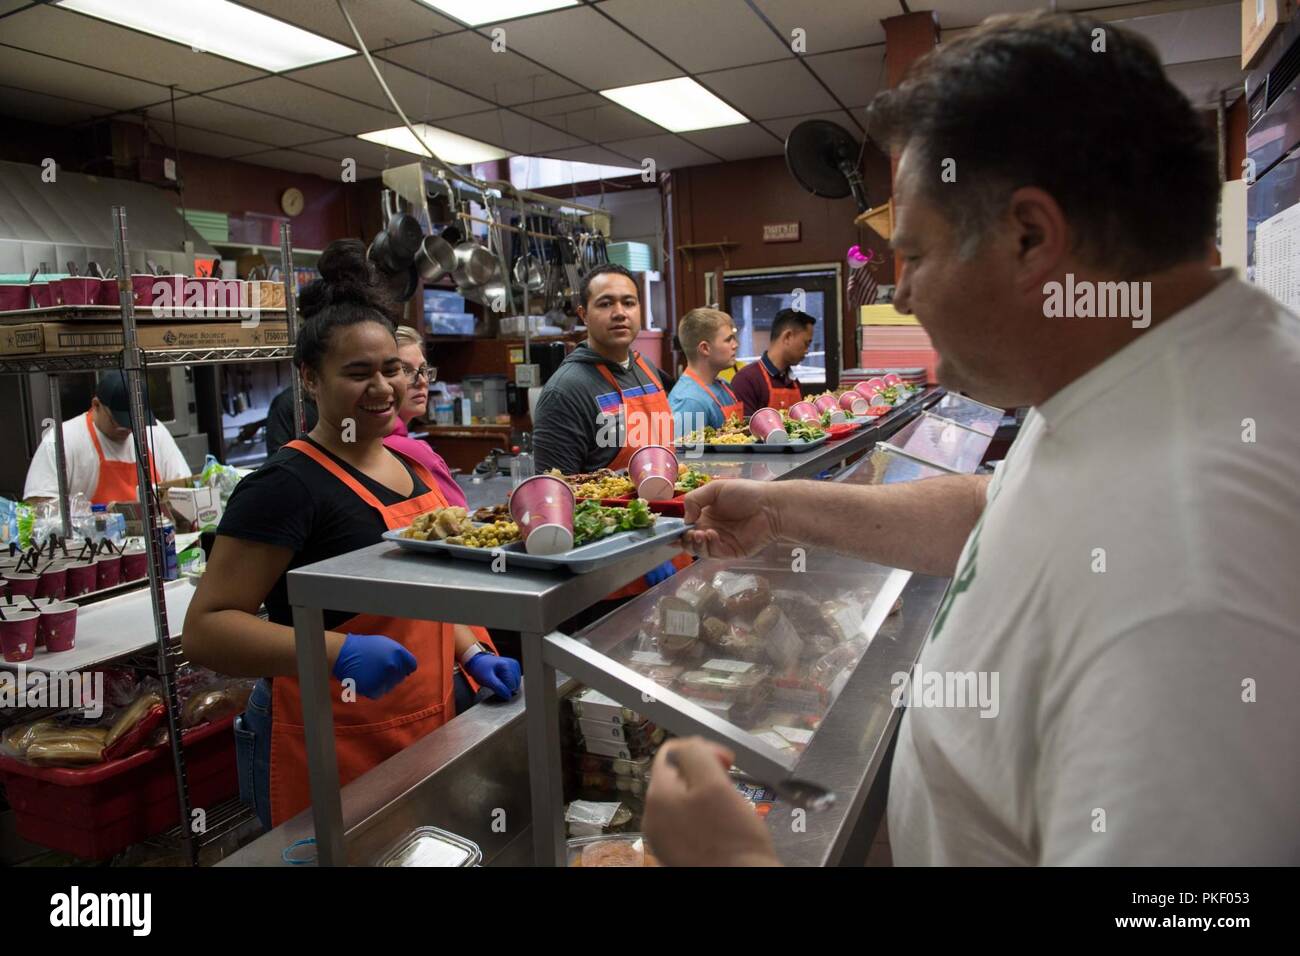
(708, 340)
(605, 400)
(768, 383)
(369, 731)
(99, 451)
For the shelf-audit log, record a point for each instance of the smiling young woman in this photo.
(335, 491)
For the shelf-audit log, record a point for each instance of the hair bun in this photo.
(347, 278)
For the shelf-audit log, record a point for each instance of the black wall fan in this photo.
(823, 158)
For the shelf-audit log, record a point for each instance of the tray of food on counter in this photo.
(544, 527)
(617, 489)
(623, 849)
(768, 431)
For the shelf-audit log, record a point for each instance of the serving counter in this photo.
(469, 776)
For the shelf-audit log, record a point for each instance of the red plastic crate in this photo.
(96, 812)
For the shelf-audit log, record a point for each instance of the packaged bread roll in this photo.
(132, 716)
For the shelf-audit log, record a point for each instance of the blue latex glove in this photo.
(498, 674)
(661, 573)
(376, 663)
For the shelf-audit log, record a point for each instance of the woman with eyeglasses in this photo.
(419, 376)
(334, 491)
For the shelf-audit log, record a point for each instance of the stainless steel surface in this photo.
(27, 365)
(318, 729)
(470, 776)
(940, 442)
(885, 466)
(847, 754)
(544, 784)
(168, 654)
(916, 459)
(291, 318)
(384, 579)
(60, 455)
(977, 416)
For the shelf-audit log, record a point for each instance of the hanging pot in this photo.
(436, 258)
(475, 267)
(528, 272)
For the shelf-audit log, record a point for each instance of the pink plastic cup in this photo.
(766, 425)
(542, 506)
(854, 402)
(18, 635)
(107, 292)
(653, 469)
(21, 583)
(142, 288)
(57, 628)
(77, 290)
(52, 582)
(43, 295)
(135, 565)
(83, 577)
(108, 571)
(892, 379)
(804, 412)
(827, 403)
(14, 298)
(866, 390)
(877, 383)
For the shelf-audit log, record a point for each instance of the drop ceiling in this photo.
(538, 95)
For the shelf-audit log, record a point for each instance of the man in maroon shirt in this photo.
(768, 383)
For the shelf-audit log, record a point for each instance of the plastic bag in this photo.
(219, 476)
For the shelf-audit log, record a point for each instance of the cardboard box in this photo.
(1260, 20)
(195, 509)
(83, 338)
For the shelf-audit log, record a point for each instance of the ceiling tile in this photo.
(831, 26)
(300, 162)
(365, 153)
(721, 33)
(381, 22)
(297, 101)
(580, 44)
(668, 151)
(419, 96)
(854, 76)
(221, 117)
(595, 154)
(737, 142)
(604, 123)
(94, 42)
(466, 61)
(1205, 33)
(1201, 81)
(956, 14)
(773, 89)
(201, 141)
(510, 131)
(43, 108)
(561, 105)
(9, 6)
(34, 72)
(782, 125)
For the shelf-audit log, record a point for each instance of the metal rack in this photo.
(134, 360)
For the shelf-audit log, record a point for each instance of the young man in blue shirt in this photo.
(708, 340)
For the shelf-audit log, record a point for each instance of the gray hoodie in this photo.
(568, 416)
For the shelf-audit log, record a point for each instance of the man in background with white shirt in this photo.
(1129, 570)
(100, 452)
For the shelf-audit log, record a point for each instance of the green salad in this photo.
(592, 520)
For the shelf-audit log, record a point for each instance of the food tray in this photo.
(580, 560)
(757, 448)
(673, 507)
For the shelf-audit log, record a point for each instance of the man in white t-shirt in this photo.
(1128, 575)
(100, 451)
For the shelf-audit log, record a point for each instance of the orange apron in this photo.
(733, 409)
(368, 732)
(116, 478)
(649, 417)
(779, 397)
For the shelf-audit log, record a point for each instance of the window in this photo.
(754, 300)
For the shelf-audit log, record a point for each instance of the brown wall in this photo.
(733, 200)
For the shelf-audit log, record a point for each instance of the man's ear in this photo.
(1041, 234)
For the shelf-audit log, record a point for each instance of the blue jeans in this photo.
(253, 745)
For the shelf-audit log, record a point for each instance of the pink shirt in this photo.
(420, 451)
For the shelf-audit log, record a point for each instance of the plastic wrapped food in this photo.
(817, 645)
(803, 610)
(615, 766)
(625, 850)
(782, 644)
(67, 747)
(831, 672)
(702, 596)
(430, 846)
(730, 685)
(17, 739)
(591, 704)
(132, 715)
(678, 627)
(591, 818)
(641, 743)
(739, 640)
(611, 784)
(658, 670)
(634, 734)
(213, 703)
(743, 595)
(843, 619)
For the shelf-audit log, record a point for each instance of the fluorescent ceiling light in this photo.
(220, 27)
(678, 105)
(476, 12)
(450, 148)
(539, 172)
